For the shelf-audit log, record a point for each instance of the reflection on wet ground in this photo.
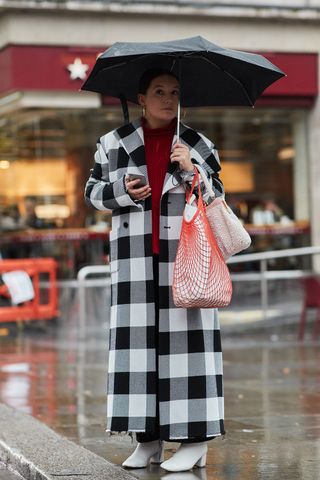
(272, 397)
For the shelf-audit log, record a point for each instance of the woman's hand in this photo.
(137, 193)
(180, 153)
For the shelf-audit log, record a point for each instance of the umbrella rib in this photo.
(110, 67)
(143, 56)
(233, 77)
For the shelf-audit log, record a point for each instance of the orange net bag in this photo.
(201, 277)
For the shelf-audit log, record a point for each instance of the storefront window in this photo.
(45, 160)
(257, 155)
(46, 156)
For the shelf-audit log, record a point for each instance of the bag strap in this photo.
(205, 180)
(193, 186)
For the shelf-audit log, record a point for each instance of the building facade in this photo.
(48, 128)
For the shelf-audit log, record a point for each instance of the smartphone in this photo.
(142, 178)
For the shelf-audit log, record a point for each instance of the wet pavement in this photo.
(271, 386)
(6, 474)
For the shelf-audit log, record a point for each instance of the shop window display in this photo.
(45, 157)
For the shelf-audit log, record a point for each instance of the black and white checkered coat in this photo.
(190, 378)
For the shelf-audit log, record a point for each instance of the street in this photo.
(272, 397)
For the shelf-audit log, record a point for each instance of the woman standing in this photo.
(165, 363)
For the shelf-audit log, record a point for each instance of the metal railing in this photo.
(263, 276)
(83, 273)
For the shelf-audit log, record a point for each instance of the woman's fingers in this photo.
(141, 197)
(181, 154)
(180, 147)
(132, 183)
(179, 150)
(145, 196)
(141, 190)
(179, 144)
(138, 193)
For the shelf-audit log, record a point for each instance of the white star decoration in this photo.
(77, 69)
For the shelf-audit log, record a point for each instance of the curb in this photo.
(38, 453)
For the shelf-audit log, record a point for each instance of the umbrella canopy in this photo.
(209, 75)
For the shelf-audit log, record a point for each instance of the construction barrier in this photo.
(34, 309)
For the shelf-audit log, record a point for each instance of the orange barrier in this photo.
(33, 309)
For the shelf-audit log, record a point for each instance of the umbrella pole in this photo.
(179, 76)
(178, 122)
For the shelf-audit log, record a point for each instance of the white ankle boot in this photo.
(186, 457)
(145, 452)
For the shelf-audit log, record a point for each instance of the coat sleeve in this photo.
(99, 192)
(210, 162)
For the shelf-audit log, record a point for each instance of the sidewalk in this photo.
(271, 402)
(37, 452)
(6, 474)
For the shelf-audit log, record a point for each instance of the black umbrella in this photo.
(209, 75)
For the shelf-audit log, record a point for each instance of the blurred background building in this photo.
(48, 128)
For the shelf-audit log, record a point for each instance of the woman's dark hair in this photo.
(147, 77)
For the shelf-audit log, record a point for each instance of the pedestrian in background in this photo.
(165, 379)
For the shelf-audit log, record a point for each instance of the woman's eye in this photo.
(175, 92)
(159, 92)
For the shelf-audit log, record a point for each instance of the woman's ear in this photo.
(141, 99)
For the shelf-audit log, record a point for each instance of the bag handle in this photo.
(197, 169)
(205, 180)
(193, 186)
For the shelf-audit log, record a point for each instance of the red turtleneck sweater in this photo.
(157, 142)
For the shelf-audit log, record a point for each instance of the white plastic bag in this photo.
(19, 285)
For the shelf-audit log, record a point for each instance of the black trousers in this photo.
(142, 437)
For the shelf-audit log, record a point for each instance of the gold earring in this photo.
(143, 111)
(184, 114)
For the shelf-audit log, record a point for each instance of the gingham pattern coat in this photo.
(190, 376)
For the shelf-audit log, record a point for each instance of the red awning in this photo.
(50, 68)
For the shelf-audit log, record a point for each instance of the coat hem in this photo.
(187, 438)
(122, 433)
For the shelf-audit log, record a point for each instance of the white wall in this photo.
(105, 28)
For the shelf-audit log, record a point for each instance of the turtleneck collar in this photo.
(170, 128)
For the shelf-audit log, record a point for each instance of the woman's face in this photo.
(161, 99)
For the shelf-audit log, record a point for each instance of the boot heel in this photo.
(159, 456)
(202, 461)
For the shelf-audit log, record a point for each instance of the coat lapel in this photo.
(132, 140)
